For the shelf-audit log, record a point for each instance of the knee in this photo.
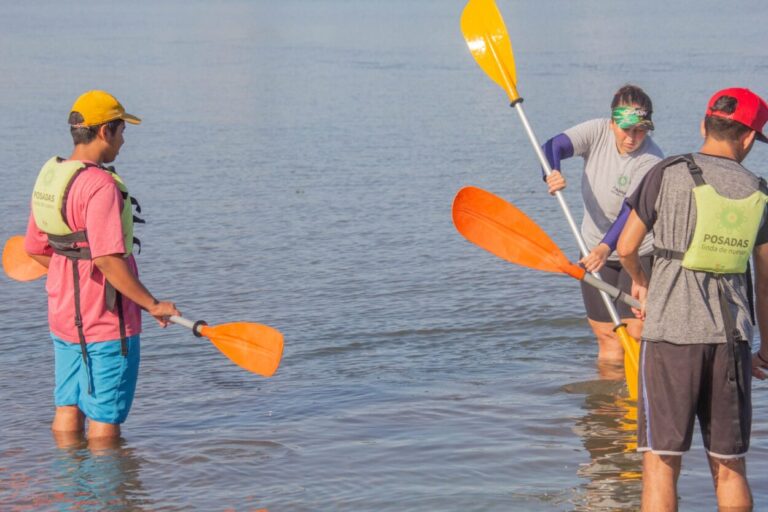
(725, 471)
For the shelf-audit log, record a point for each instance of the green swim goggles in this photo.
(630, 116)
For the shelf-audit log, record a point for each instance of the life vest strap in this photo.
(667, 254)
(66, 245)
(135, 203)
(79, 322)
(123, 337)
(734, 372)
(694, 170)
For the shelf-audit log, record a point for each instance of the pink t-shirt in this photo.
(94, 203)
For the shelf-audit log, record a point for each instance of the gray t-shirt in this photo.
(609, 177)
(682, 305)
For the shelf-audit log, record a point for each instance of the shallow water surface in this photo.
(296, 167)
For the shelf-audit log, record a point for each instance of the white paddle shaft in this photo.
(189, 324)
(574, 228)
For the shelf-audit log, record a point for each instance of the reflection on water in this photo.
(85, 477)
(609, 434)
(99, 477)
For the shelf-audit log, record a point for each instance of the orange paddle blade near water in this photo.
(17, 264)
(499, 227)
(254, 347)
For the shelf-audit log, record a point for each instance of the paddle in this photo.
(17, 264)
(254, 347)
(501, 228)
(486, 36)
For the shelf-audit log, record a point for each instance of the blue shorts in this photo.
(113, 378)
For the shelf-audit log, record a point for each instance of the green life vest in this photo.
(725, 230)
(49, 201)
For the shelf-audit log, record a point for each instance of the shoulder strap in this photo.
(694, 169)
(762, 185)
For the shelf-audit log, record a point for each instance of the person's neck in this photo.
(88, 153)
(714, 147)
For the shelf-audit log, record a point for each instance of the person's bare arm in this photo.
(760, 358)
(41, 259)
(629, 243)
(116, 271)
(627, 248)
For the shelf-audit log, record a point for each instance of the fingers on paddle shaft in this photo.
(488, 41)
(502, 229)
(17, 264)
(255, 347)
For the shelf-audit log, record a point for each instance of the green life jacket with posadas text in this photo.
(49, 204)
(725, 230)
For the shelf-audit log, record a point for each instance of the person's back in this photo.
(707, 213)
(677, 296)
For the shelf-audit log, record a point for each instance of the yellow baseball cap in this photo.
(99, 107)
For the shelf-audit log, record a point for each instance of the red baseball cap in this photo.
(751, 109)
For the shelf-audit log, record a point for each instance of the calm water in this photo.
(296, 166)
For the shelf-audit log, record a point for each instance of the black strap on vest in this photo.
(79, 323)
(735, 371)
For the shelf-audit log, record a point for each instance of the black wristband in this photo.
(761, 357)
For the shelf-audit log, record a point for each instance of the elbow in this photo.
(624, 250)
(104, 263)
(761, 291)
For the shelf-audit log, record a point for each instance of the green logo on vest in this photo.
(623, 181)
(49, 175)
(731, 218)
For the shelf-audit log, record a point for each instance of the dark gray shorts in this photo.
(612, 273)
(681, 382)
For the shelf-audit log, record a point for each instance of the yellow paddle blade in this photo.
(631, 359)
(254, 347)
(17, 264)
(488, 41)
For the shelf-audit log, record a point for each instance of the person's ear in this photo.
(748, 140)
(703, 130)
(103, 133)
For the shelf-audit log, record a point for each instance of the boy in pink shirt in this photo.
(81, 228)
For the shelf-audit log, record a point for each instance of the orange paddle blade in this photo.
(17, 264)
(500, 228)
(254, 347)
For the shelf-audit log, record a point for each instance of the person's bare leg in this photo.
(609, 347)
(730, 479)
(660, 473)
(99, 430)
(634, 327)
(68, 418)
(68, 439)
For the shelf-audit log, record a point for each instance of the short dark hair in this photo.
(630, 94)
(721, 128)
(85, 134)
